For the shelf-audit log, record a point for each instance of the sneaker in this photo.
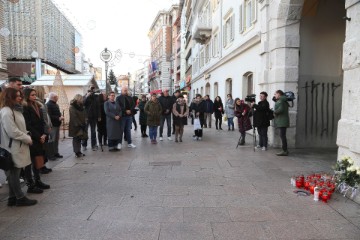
(24, 201)
(194, 138)
(169, 138)
(199, 138)
(283, 153)
(113, 149)
(160, 138)
(263, 148)
(79, 154)
(132, 145)
(34, 189)
(21, 180)
(42, 185)
(84, 148)
(58, 155)
(258, 146)
(119, 146)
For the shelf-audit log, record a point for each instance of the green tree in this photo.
(112, 78)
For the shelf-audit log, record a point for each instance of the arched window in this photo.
(207, 89)
(228, 87)
(248, 84)
(216, 90)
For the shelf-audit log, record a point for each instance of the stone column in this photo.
(348, 137)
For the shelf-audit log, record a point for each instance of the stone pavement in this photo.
(190, 191)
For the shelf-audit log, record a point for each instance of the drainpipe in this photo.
(221, 29)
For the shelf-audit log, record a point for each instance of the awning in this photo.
(157, 91)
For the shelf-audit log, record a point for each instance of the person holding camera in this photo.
(92, 108)
(261, 120)
(242, 113)
(282, 120)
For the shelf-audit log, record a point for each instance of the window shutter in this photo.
(224, 35)
(241, 19)
(253, 11)
(232, 26)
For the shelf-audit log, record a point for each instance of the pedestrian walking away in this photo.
(209, 110)
(113, 123)
(229, 111)
(15, 139)
(181, 112)
(166, 103)
(261, 119)
(153, 111)
(282, 120)
(242, 111)
(218, 112)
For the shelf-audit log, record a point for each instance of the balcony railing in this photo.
(202, 31)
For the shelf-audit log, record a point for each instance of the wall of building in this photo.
(320, 68)
(3, 66)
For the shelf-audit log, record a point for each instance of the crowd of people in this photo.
(30, 128)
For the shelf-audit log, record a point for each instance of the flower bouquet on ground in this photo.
(347, 177)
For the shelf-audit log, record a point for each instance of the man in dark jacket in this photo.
(127, 107)
(175, 97)
(56, 119)
(209, 110)
(261, 120)
(93, 114)
(166, 103)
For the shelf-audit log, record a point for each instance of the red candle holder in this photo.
(311, 187)
(299, 183)
(325, 197)
(307, 184)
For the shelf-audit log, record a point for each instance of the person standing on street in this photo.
(113, 122)
(92, 108)
(282, 120)
(142, 116)
(166, 103)
(56, 119)
(198, 110)
(209, 110)
(77, 128)
(15, 139)
(219, 111)
(175, 96)
(153, 112)
(242, 113)
(101, 123)
(127, 106)
(181, 112)
(261, 120)
(229, 111)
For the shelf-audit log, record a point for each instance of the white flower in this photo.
(358, 172)
(351, 169)
(350, 161)
(345, 158)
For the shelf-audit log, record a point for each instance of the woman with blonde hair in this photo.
(77, 124)
(15, 139)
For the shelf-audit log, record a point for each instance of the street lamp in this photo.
(106, 56)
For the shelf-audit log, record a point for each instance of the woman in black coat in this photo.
(218, 111)
(143, 116)
(36, 126)
(261, 120)
(198, 110)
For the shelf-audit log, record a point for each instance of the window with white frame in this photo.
(215, 45)
(202, 58)
(207, 53)
(247, 15)
(228, 31)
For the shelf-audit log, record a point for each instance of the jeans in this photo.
(231, 122)
(13, 175)
(112, 143)
(76, 142)
(153, 132)
(283, 138)
(126, 122)
(92, 122)
(168, 122)
(55, 135)
(263, 138)
(207, 119)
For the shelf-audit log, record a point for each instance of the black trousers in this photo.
(263, 137)
(283, 138)
(218, 120)
(143, 129)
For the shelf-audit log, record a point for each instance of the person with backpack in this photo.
(262, 117)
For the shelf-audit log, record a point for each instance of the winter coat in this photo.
(77, 119)
(54, 113)
(243, 120)
(46, 117)
(281, 112)
(198, 109)
(209, 106)
(92, 106)
(17, 131)
(35, 124)
(121, 101)
(218, 113)
(229, 108)
(261, 119)
(166, 104)
(142, 115)
(101, 125)
(113, 126)
(153, 111)
(180, 109)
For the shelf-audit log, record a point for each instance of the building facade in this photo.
(161, 41)
(3, 35)
(308, 47)
(39, 32)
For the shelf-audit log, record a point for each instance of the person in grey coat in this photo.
(113, 124)
(229, 111)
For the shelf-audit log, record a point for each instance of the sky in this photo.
(115, 24)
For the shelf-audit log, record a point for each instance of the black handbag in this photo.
(6, 161)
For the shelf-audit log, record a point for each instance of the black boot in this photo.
(32, 188)
(41, 185)
(11, 201)
(24, 201)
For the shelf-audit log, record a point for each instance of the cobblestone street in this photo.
(172, 191)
